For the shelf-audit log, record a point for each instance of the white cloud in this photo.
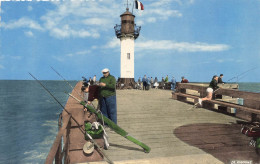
(191, 1)
(22, 22)
(162, 13)
(97, 21)
(220, 60)
(161, 3)
(182, 2)
(159, 10)
(28, 33)
(151, 45)
(151, 20)
(180, 46)
(85, 52)
(140, 23)
(58, 58)
(81, 19)
(94, 47)
(29, 8)
(113, 43)
(16, 57)
(2, 67)
(67, 31)
(239, 61)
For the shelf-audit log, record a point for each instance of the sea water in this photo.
(29, 118)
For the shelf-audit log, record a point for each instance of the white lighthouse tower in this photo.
(127, 32)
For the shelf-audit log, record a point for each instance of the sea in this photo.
(29, 118)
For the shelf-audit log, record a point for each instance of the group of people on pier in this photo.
(144, 83)
(148, 82)
(107, 89)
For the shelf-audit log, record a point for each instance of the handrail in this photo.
(239, 94)
(223, 91)
(247, 109)
(56, 144)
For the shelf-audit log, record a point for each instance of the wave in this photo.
(41, 149)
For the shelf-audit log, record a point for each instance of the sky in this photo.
(192, 38)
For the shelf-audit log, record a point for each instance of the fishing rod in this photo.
(195, 105)
(241, 74)
(113, 126)
(72, 86)
(81, 129)
(116, 128)
(66, 81)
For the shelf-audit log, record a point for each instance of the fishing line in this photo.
(242, 74)
(66, 81)
(97, 108)
(56, 100)
(195, 105)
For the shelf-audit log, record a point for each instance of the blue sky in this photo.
(192, 38)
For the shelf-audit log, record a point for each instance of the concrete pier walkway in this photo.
(175, 133)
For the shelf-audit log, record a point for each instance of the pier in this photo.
(175, 132)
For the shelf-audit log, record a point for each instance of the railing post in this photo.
(58, 159)
(182, 90)
(67, 159)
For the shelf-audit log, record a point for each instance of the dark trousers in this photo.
(144, 85)
(108, 107)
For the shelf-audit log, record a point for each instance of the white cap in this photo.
(105, 70)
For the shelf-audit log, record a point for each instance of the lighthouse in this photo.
(127, 32)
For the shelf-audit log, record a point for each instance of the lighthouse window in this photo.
(127, 21)
(128, 56)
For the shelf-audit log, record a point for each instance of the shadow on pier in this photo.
(224, 141)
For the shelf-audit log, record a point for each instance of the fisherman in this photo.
(162, 83)
(166, 79)
(90, 81)
(151, 82)
(213, 86)
(145, 81)
(173, 84)
(220, 79)
(148, 83)
(94, 80)
(156, 84)
(107, 100)
(85, 90)
(139, 80)
(183, 80)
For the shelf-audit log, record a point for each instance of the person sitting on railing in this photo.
(213, 86)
